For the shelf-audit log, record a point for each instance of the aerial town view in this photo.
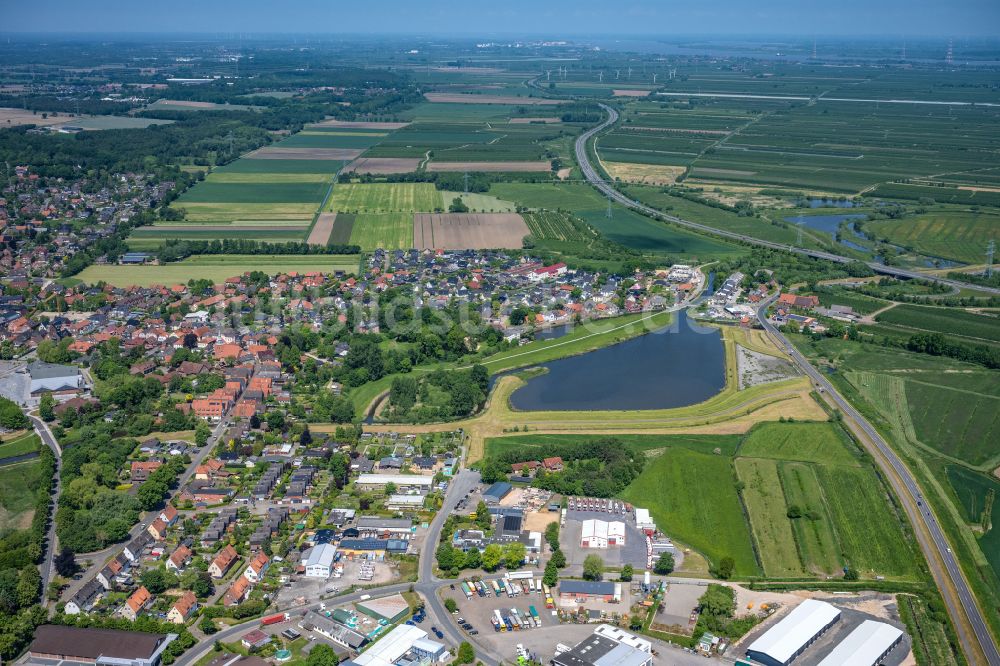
(552, 334)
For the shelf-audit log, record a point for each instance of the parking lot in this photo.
(478, 611)
(633, 552)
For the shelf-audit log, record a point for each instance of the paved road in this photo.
(100, 557)
(949, 578)
(47, 566)
(428, 586)
(595, 179)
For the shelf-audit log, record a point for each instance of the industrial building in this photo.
(867, 645)
(404, 639)
(582, 591)
(333, 629)
(318, 560)
(101, 647)
(789, 638)
(643, 521)
(392, 609)
(607, 646)
(54, 378)
(495, 493)
(403, 482)
(602, 533)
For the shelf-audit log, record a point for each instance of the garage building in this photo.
(789, 638)
(867, 645)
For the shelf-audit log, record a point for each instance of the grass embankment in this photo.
(216, 268)
(732, 411)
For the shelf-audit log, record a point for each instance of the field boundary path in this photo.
(47, 566)
(948, 576)
(597, 180)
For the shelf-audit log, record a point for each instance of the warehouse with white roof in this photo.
(867, 645)
(789, 638)
(398, 642)
(318, 560)
(601, 534)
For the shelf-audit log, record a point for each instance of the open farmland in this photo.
(772, 529)
(943, 320)
(957, 235)
(625, 226)
(490, 166)
(17, 500)
(320, 233)
(477, 203)
(456, 231)
(875, 545)
(319, 154)
(977, 495)
(692, 497)
(358, 125)
(216, 268)
(464, 98)
(388, 231)
(822, 443)
(383, 165)
(384, 197)
(190, 105)
(473, 141)
(814, 533)
(958, 423)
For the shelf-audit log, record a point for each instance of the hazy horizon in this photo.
(565, 18)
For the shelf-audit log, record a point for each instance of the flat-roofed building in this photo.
(789, 638)
(607, 646)
(401, 481)
(102, 647)
(867, 645)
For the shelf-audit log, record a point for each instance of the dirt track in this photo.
(357, 124)
(476, 231)
(320, 233)
(489, 166)
(275, 153)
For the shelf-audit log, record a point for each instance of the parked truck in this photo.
(496, 588)
(466, 591)
(274, 619)
(534, 616)
(498, 621)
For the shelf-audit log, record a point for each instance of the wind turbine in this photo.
(600, 76)
(654, 79)
(618, 73)
(629, 73)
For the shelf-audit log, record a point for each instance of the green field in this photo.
(726, 444)
(821, 443)
(950, 321)
(389, 231)
(692, 497)
(216, 268)
(477, 203)
(866, 523)
(385, 198)
(772, 529)
(17, 497)
(27, 443)
(817, 543)
(977, 495)
(959, 423)
(958, 235)
(624, 226)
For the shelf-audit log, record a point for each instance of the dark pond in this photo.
(827, 223)
(553, 332)
(829, 203)
(680, 365)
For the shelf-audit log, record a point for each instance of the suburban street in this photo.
(950, 580)
(47, 567)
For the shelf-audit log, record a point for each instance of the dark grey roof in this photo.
(41, 370)
(586, 587)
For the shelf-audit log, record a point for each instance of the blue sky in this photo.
(475, 18)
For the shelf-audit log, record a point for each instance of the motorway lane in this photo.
(47, 567)
(952, 574)
(595, 179)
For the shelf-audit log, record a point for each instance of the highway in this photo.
(944, 566)
(595, 179)
(954, 588)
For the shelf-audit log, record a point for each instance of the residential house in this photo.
(257, 568)
(237, 592)
(136, 603)
(179, 559)
(223, 562)
(183, 608)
